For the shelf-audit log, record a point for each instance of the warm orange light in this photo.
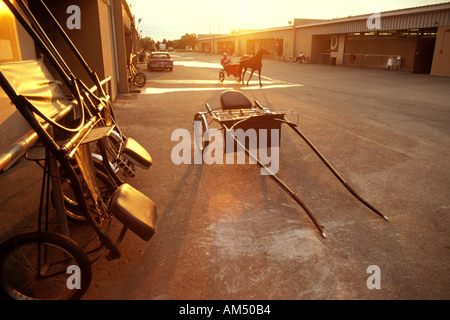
(4, 11)
(3, 7)
(8, 37)
(224, 208)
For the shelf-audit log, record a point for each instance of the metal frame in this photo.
(258, 112)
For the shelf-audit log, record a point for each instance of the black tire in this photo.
(139, 80)
(19, 263)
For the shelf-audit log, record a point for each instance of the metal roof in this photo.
(429, 16)
(412, 18)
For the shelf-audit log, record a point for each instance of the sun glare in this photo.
(3, 8)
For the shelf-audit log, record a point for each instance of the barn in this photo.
(415, 40)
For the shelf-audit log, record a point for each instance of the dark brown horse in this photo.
(252, 62)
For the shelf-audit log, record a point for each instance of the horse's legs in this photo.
(251, 74)
(259, 74)
(243, 75)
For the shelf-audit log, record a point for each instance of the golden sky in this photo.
(172, 19)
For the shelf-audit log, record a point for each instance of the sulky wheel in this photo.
(201, 131)
(37, 266)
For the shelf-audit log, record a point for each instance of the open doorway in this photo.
(424, 55)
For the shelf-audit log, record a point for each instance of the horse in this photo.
(252, 62)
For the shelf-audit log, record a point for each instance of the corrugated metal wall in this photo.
(391, 22)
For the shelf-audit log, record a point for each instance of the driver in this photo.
(225, 60)
(299, 58)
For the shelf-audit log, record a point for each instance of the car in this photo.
(159, 60)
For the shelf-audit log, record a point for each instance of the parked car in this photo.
(159, 60)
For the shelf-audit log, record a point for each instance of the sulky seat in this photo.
(135, 210)
(233, 99)
(135, 153)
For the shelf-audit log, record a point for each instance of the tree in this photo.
(186, 40)
(147, 43)
(191, 40)
(170, 43)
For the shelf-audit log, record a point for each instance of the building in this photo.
(419, 36)
(106, 36)
(104, 32)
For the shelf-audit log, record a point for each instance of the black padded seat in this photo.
(233, 99)
(134, 152)
(135, 210)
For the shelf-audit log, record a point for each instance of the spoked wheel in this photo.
(201, 131)
(221, 75)
(73, 212)
(139, 80)
(43, 266)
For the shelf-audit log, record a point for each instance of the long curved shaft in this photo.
(333, 170)
(274, 176)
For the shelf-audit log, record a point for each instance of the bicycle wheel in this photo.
(221, 75)
(37, 266)
(139, 80)
(73, 212)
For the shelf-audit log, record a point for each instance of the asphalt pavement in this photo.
(226, 232)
